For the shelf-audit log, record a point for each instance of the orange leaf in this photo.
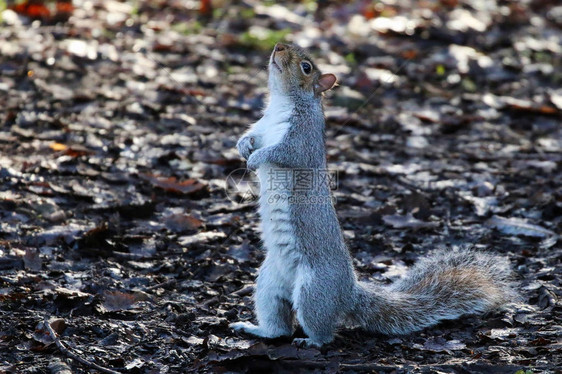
(369, 13)
(206, 7)
(195, 92)
(180, 222)
(64, 7)
(409, 54)
(37, 11)
(171, 184)
(33, 9)
(58, 147)
(77, 151)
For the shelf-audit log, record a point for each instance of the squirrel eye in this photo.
(306, 67)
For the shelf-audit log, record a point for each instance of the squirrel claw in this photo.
(254, 161)
(251, 166)
(305, 343)
(246, 146)
(257, 330)
(242, 326)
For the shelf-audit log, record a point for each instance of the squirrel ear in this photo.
(326, 82)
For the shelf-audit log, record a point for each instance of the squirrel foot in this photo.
(260, 331)
(306, 343)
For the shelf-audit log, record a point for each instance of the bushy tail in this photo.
(444, 286)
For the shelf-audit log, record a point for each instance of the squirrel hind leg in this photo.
(274, 311)
(275, 317)
(317, 317)
(274, 314)
(319, 331)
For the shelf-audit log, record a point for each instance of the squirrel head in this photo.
(292, 72)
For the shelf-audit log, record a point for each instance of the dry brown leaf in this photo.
(171, 184)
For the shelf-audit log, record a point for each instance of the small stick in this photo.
(163, 284)
(72, 355)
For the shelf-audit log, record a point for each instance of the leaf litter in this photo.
(119, 125)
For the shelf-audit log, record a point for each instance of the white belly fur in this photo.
(278, 234)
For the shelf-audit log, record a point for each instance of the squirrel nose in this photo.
(279, 47)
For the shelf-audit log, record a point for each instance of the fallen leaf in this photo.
(57, 147)
(115, 301)
(202, 237)
(58, 367)
(180, 222)
(137, 363)
(518, 226)
(41, 334)
(439, 344)
(76, 150)
(171, 184)
(33, 9)
(32, 260)
(408, 221)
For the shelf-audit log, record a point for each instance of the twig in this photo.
(368, 367)
(163, 284)
(72, 355)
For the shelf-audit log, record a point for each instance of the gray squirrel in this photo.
(308, 272)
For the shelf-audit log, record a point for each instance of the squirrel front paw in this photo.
(255, 160)
(246, 145)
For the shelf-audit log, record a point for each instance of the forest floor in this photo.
(118, 132)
